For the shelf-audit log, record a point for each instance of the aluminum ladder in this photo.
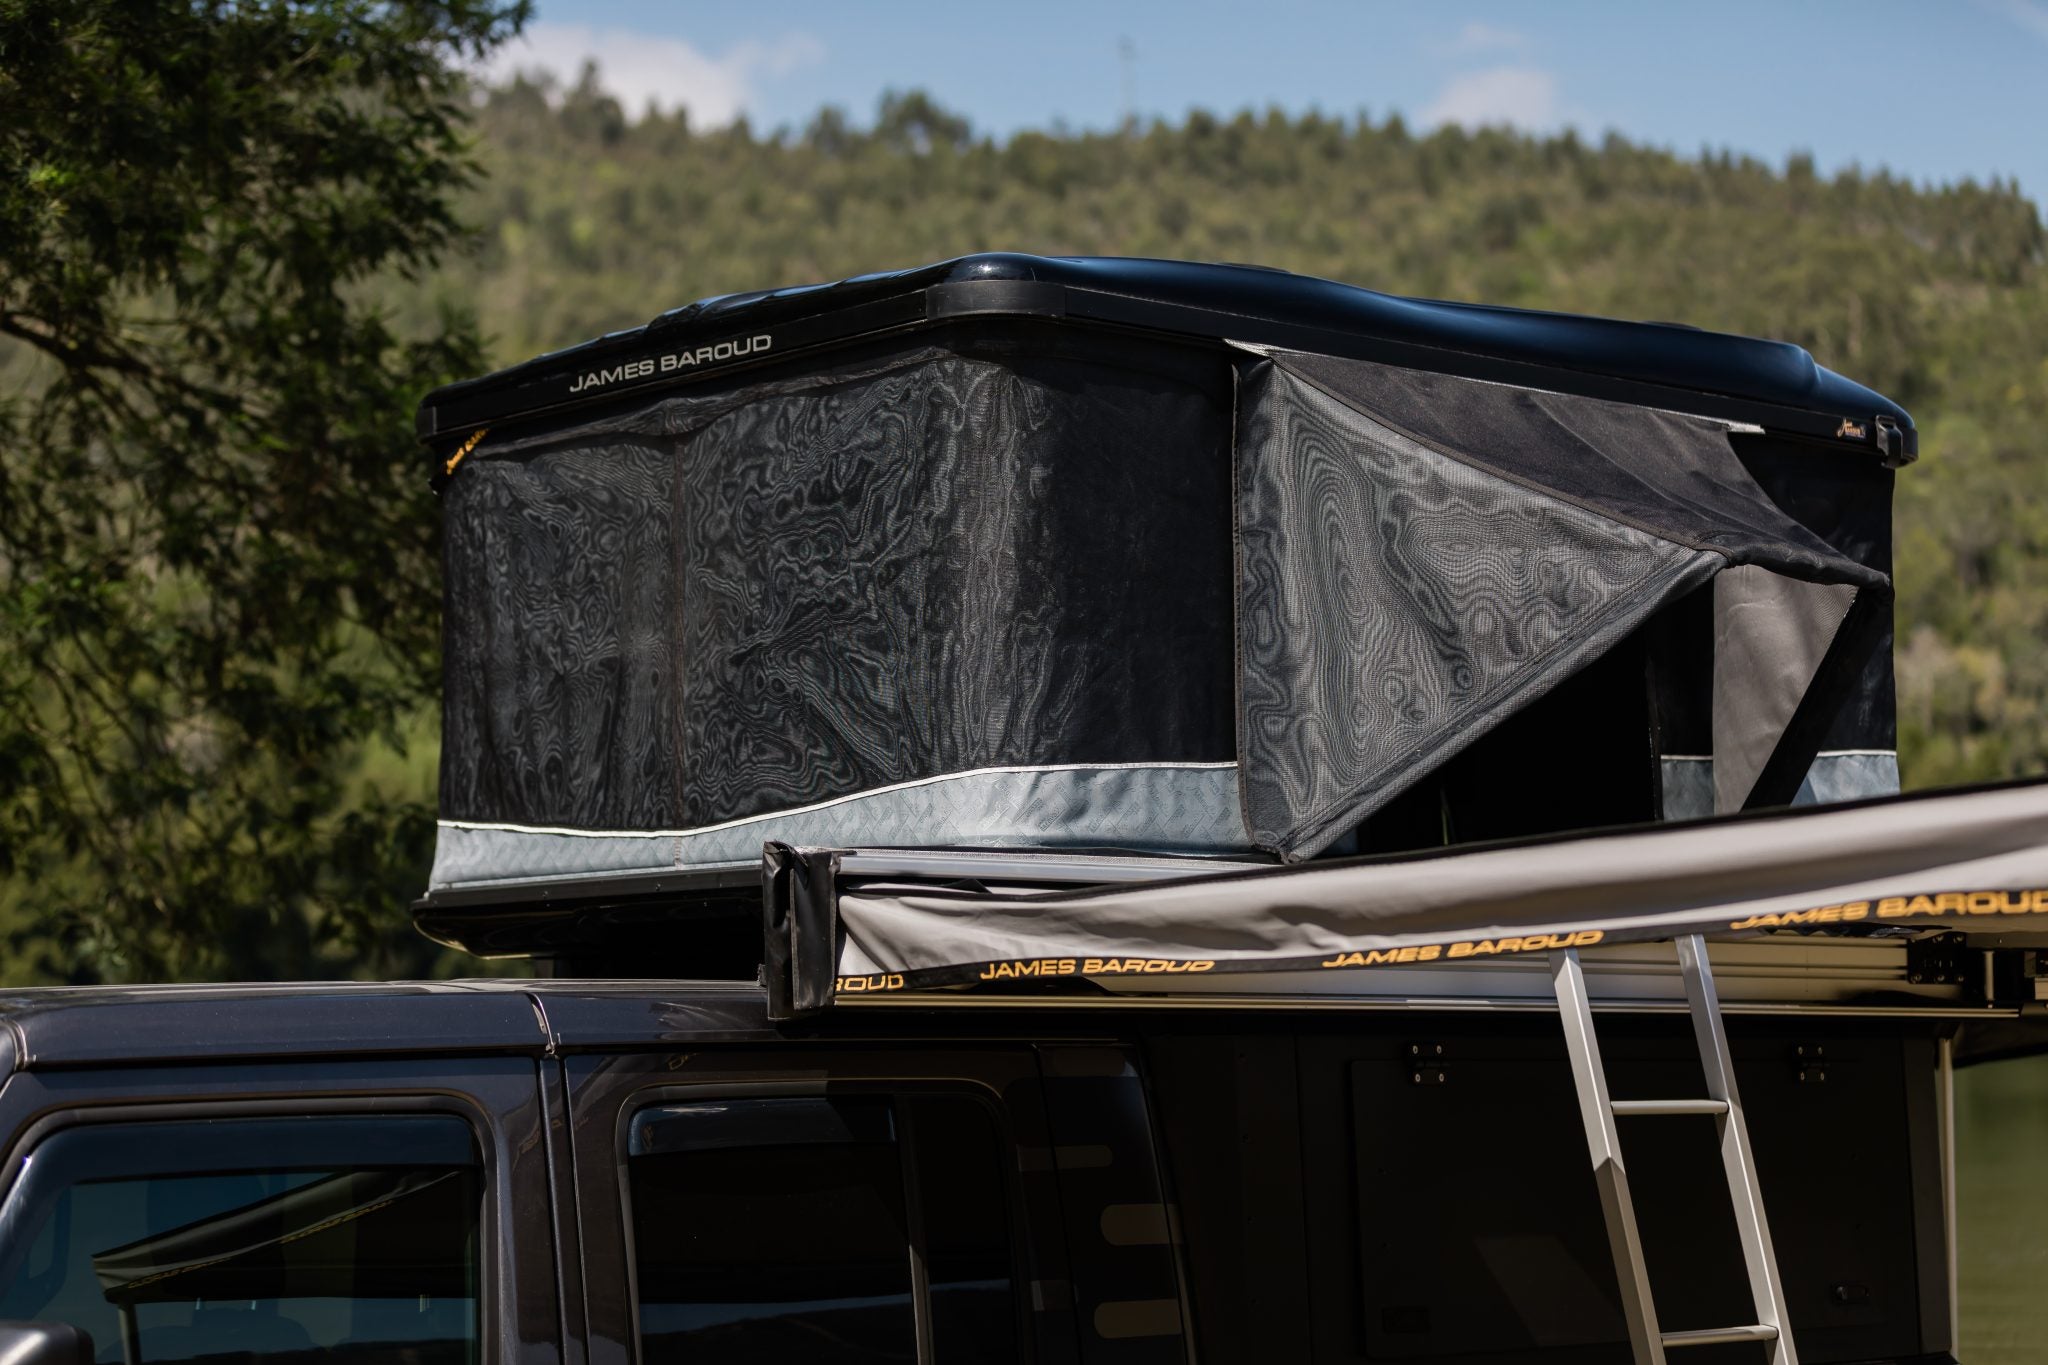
(1599, 1113)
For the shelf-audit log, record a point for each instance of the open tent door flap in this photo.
(1421, 555)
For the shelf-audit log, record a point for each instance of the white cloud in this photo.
(2031, 15)
(642, 69)
(1475, 36)
(1518, 96)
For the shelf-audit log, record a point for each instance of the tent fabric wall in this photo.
(1664, 472)
(1395, 603)
(559, 671)
(1014, 582)
(1421, 554)
(1848, 504)
(1007, 551)
(1171, 807)
(1772, 636)
(1849, 775)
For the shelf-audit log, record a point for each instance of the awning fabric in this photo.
(1956, 860)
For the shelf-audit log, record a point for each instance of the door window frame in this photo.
(607, 1092)
(518, 1316)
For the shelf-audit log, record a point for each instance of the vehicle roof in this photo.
(107, 1025)
(68, 1027)
(1223, 301)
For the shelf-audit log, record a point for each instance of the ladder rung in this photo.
(1721, 1336)
(1670, 1107)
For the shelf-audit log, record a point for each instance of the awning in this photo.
(1955, 860)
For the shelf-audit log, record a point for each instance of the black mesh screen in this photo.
(1008, 544)
(1471, 610)
(1396, 606)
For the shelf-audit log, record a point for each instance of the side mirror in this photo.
(44, 1343)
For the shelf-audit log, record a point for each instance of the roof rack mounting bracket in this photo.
(800, 929)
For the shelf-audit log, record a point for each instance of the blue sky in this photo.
(1937, 91)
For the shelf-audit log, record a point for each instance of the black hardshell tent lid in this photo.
(1769, 383)
(1199, 559)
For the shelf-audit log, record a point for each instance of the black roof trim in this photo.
(1772, 383)
(103, 1025)
(96, 1026)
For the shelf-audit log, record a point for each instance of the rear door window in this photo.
(822, 1231)
(346, 1237)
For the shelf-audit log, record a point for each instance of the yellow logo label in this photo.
(1964, 903)
(1532, 943)
(1039, 966)
(1141, 966)
(860, 985)
(1381, 957)
(1845, 913)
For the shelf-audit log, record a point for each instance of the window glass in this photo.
(966, 1231)
(791, 1230)
(348, 1238)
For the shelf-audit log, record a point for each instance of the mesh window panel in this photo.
(1395, 603)
(1009, 549)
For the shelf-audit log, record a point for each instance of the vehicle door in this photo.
(390, 1210)
(820, 1204)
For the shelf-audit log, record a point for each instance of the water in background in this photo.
(2002, 1211)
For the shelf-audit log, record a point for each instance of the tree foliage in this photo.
(217, 572)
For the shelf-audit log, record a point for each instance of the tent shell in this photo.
(1719, 381)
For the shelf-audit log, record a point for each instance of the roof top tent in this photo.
(1168, 558)
(1023, 634)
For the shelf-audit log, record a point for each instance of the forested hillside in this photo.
(1937, 297)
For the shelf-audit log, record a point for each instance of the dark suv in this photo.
(558, 1170)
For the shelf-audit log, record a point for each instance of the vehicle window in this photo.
(966, 1235)
(351, 1238)
(819, 1231)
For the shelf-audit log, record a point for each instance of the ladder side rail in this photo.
(1604, 1145)
(1765, 1286)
